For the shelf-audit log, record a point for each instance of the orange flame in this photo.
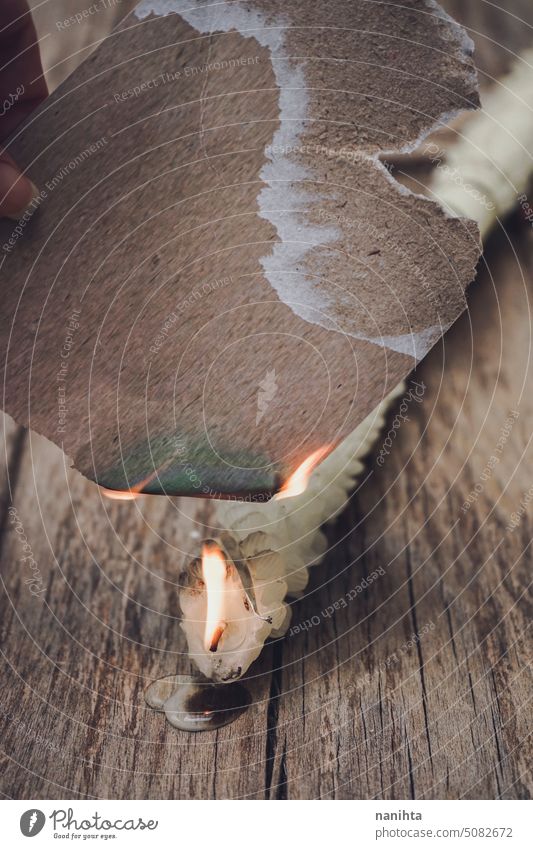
(297, 482)
(129, 494)
(120, 495)
(214, 575)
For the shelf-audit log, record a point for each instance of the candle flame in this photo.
(214, 575)
(297, 482)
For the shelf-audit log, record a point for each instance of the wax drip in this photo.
(192, 704)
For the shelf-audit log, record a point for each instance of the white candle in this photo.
(226, 625)
(263, 558)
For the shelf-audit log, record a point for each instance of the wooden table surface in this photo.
(418, 688)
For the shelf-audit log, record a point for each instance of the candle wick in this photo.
(217, 633)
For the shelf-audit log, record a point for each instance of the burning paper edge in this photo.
(119, 494)
(297, 482)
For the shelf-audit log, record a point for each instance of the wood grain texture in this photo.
(419, 688)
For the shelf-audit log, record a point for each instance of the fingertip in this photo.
(17, 192)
